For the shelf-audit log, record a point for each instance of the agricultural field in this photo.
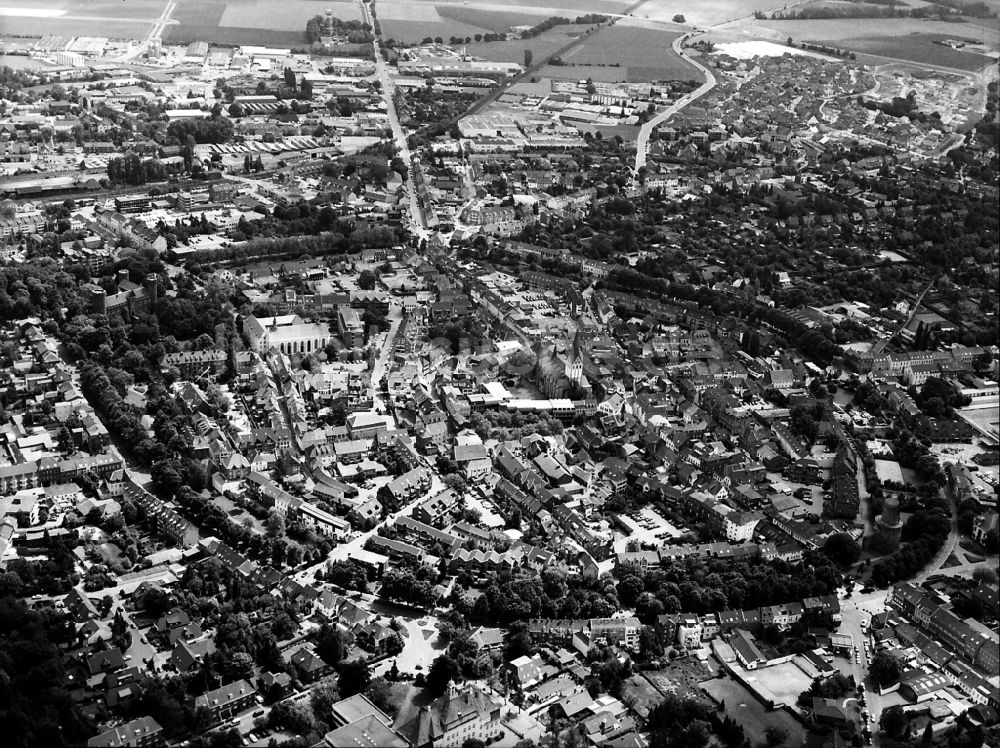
(544, 7)
(267, 22)
(489, 20)
(273, 22)
(107, 18)
(413, 20)
(541, 46)
(643, 53)
(705, 14)
(920, 49)
(583, 72)
(904, 39)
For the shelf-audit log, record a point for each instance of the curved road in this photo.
(642, 143)
(954, 536)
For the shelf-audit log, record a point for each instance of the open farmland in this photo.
(541, 46)
(495, 21)
(107, 18)
(919, 48)
(583, 72)
(545, 7)
(274, 22)
(903, 39)
(705, 14)
(643, 53)
(413, 20)
(267, 22)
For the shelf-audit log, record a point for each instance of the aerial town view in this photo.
(454, 373)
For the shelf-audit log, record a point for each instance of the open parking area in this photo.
(786, 680)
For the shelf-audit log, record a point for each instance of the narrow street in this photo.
(286, 419)
(381, 365)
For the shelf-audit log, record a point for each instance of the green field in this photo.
(413, 20)
(279, 23)
(919, 48)
(541, 46)
(273, 22)
(903, 39)
(489, 20)
(107, 18)
(706, 13)
(643, 53)
(583, 72)
(544, 8)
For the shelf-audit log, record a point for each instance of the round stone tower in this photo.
(888, 525)
(98, 301)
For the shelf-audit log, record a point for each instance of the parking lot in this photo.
(647, 526)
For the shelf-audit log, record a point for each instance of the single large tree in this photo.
(354, 678)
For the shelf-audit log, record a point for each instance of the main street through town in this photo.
(384, 77)
(855, 610)
(387, 345)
